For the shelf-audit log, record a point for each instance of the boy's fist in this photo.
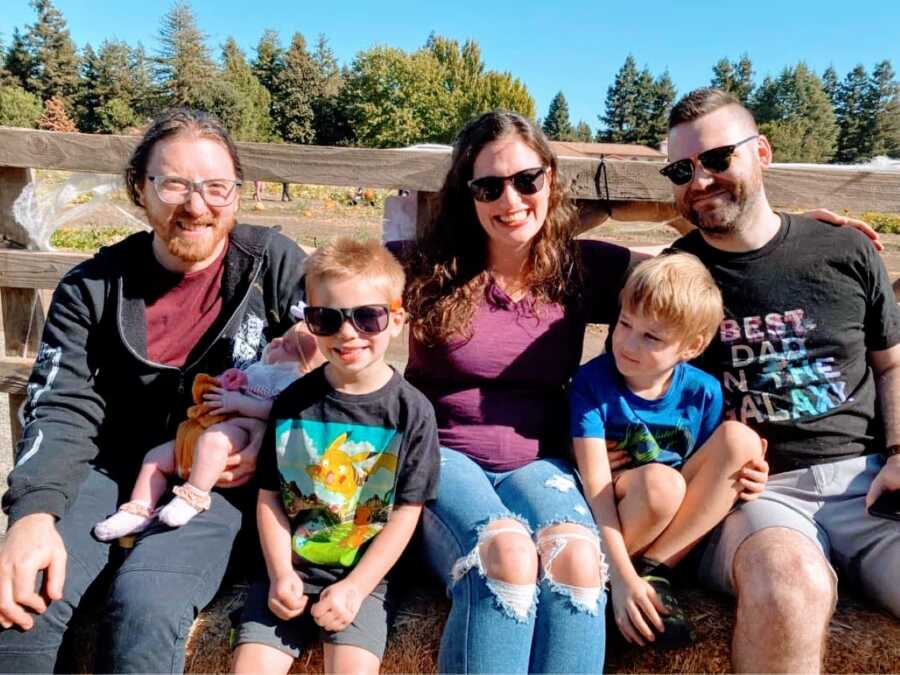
(286, 598)
(338, 605)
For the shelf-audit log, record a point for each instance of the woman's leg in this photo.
(485, 556)
(570, 632)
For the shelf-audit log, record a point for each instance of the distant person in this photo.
(349, 460)
(125, 335)
(258, 190)
(286, 192)
(809, 356)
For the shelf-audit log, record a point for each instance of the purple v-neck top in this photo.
(500, 397)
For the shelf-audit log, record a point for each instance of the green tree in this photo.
(582, 132)
(18, 62)
(147, 95)
(106, 76)
(636, 106)
(831, 84)
(658, 114)
(883, 108)
(463, 73)
(184, 68)
(394, 99)
(254, 122)
(53, 59)
(734, 77)
(795, 114)
(851, 113)
(296, 87)
(329, 119)
(502, 91)
(269, 59)
(557, 125)
(19, 108)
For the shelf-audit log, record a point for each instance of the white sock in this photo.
(121, 523)
(177, 512)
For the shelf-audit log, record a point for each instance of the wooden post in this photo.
(23, 315)
(426, 206)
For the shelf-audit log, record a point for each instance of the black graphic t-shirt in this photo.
(341, 462)
(800, 315)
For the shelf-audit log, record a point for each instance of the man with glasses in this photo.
(127, 332)
(811, 334)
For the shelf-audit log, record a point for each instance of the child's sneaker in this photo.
(679, 632)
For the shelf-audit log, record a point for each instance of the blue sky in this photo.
(576, 47)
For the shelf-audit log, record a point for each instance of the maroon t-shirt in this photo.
(180, 309)
(500, 396)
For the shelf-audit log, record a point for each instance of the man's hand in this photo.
(887, 480)
(286, 597)
(754, 475)
(32, 544)
(338, 605)
(240, 466)
(833, 218)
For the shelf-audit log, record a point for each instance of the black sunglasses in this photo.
(325, 321)
(715, 160)
(489, 188)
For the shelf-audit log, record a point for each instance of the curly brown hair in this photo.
(449, 273)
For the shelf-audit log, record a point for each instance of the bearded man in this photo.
(125, 335)
(809, 356)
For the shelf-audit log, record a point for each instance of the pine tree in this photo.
(582, 132)
(107, 99)
(853, 143)
(658, 119)
(622, 115)
(184, 68)
(295, 89)
(883, 109)
(55, 117)
(254, 122)
(54, 62)
(556, 125)
(831, 84)
(795, 113)
(147, 99)
(269, 59)
(6, 78)
(734, 77)
(329, 119)
(18, 62)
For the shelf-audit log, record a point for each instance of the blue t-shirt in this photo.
(665, 430)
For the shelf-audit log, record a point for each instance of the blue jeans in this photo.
(546, 626)
(155, 589)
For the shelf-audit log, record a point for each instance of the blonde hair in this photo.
(678, 290)
(345, 258)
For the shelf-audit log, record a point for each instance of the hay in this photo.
(860, 639)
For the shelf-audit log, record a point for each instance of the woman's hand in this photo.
(827, 216)
(635, 603)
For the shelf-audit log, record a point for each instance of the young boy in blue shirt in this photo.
(659, 466)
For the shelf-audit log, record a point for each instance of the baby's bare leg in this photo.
(136, 514)
(209, 460)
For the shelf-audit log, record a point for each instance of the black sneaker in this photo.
(679, 632)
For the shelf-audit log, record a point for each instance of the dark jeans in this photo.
(155, 590)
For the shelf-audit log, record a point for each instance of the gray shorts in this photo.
(258, 625)
(826, 503)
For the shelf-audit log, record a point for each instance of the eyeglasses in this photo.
(369, 319)
(177, 190)
(489, 188)
(715, 160)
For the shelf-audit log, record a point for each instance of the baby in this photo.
(218, 423)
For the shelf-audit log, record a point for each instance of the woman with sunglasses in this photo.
(500, 294)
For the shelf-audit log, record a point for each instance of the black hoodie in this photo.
(95, 398)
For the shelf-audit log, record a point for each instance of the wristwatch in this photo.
(892, 450)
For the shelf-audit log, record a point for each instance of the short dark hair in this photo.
(171, 123)
(700, 102)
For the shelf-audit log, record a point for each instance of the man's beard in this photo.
(191, 251)
(728, 218)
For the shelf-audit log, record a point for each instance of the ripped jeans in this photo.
(545, 625)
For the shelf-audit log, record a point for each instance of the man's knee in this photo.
(784, 576)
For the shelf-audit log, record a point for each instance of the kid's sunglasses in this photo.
(715, 160)
(525, 182)
(369, 319)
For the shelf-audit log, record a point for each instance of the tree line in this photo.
(388, 97)
(808, 118)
